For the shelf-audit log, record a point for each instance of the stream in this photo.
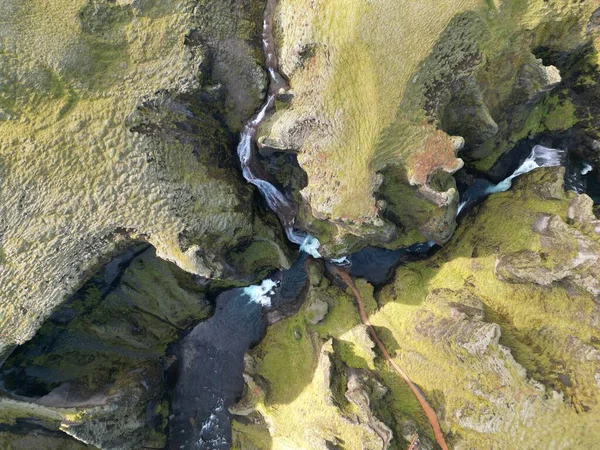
(210, 359)
(200, 416)
(285, 209)
(201, 419)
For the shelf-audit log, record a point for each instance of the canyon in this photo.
(437, 163)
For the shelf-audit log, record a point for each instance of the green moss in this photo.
(113, 329)
(552, 114)
(464, 61)
(417, 319)
(535, 321)
(47, 441)
(70, 104)
(248, 437)
(257, 258)
(555, 113)
(560, 117)
(100, 17)
(414, 215)
(290, 365)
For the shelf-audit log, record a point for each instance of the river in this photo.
(211, 357)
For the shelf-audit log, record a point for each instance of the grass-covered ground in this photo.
(113, 126)
(505, 364)
(373, 80)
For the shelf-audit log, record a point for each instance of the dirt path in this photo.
(437, 431)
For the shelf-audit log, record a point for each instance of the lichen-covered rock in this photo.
(317, 309)
(316, 389)
(375, 83)
(565, 255)
(116, 123)
(39, 440)
(512, 358)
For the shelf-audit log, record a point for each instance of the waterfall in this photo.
(285, 209)
(540, 156)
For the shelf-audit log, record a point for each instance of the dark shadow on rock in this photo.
(30, 431)
(377, 265)
(386, 336)
(117, 325)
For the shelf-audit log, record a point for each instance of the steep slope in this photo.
(499, 329)
(117, 123)
(378, 90)
(96, 368)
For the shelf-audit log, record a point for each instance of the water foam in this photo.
(540, 156)
(311, 245)
(343, 261)
(261, 293)
(587, 168)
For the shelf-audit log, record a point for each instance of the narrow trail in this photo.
(429, 412)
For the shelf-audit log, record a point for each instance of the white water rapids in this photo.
(540, 156)
(284, 208)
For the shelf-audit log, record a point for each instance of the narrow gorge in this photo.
(290, 224)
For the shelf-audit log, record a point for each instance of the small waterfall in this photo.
(262, 293)
(540, 156)
(285, 209)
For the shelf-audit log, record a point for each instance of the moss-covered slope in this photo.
(96, 369)
(499, 329)
(117, 122)
(374, 83)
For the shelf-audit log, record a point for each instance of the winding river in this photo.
(202, 395)
(210, 359)
(285, 209)
(201, 419)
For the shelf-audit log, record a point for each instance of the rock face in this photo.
(565, 255)
(373, 88)
(313, 385)
(95, 370)
(499, 329)
(117, 122)
(118, 128)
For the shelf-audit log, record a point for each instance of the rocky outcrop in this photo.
(333, 425)
(312, 384)
(361, 387)
(505, 358)
(117, 123)
(566, 254)
(96, 369)
(377, 93)
(36, 439)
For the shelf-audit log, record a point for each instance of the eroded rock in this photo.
(565, 254)
(113, 133)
